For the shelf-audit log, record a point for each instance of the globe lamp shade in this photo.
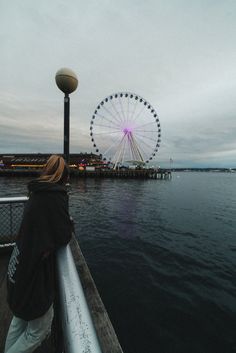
(66, 80)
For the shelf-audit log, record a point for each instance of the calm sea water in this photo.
(163, 256)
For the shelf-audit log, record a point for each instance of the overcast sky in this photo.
(179, 55)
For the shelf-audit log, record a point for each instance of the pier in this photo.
(125, 173)
(81, 323)
(160, 174)
(82, 165)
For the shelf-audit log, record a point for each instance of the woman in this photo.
(46, 226)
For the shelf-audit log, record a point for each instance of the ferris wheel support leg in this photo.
(118, 153)
(124, 144)
(118, 159)
(132, 149)
(137, 150)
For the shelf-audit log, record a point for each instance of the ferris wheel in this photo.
(125, 128)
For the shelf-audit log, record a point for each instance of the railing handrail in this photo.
(13, 199)
(79, 331)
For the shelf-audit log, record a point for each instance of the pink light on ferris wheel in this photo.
(127, 130)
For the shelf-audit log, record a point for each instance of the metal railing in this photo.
(79, 332)
(11, 212)
(78, 329)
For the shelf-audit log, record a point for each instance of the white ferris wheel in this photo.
(125, 128)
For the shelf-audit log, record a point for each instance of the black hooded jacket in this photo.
(46, 225)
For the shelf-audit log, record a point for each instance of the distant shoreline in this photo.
(214, 170)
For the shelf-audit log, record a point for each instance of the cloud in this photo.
(179, 55)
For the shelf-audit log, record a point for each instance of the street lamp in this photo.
(67, 82)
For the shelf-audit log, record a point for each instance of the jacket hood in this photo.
(41, 186)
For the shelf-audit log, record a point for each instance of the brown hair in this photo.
(55, 170)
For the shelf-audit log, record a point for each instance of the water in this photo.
(163, 256)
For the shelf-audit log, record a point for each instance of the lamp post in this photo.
(67, 82)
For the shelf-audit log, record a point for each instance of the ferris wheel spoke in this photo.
(135, 106)
(109, 112)
(105, 133)
(110, 127)
(147, 130)
(138, 115)
(145, 143)
(146, 137)
(151, 123)
(114, 143)
(117, 112)
(115, 120)
(105, 118)
(122, 109)
(128, 104)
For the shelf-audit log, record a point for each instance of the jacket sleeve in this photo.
(62, 225)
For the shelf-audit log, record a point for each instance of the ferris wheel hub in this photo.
(127, 130)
